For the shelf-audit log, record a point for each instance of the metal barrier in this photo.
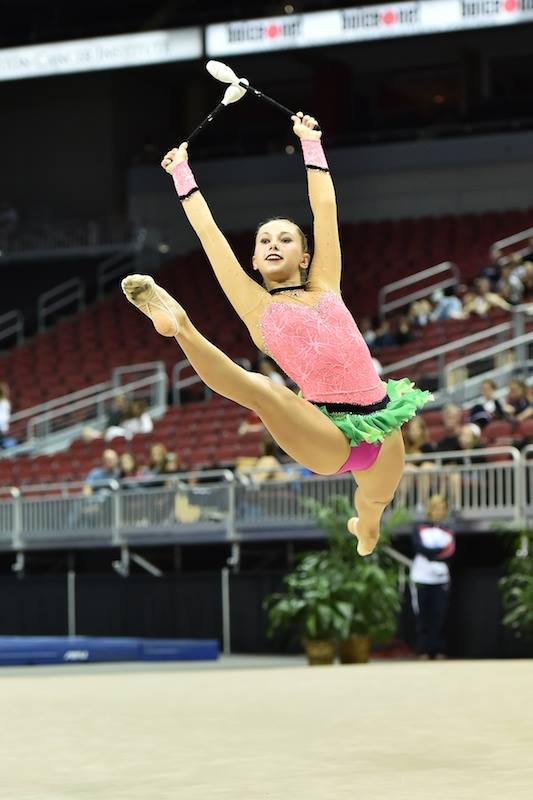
(12, 325)
(512, 350)
(74, 416)
(203, 505)
(491, 490)
(503, 329)
(501, 244)
(67, 294)
(417, 277)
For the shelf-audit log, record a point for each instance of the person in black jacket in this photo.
(433, 546)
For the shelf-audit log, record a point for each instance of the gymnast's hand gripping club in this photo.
(225, 74)
(232, 95)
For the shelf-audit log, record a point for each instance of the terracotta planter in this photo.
(319, 652)
(355, 650)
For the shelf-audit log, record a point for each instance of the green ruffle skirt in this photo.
(404, 401)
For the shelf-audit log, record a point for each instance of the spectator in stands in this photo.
(420, 311)
(416, 438)
(384, 335)
(139, 420)
(469, 438)
(451, 419)
(447, 305)
(492, 270)
(510, 285)
(489, 408)
(159, 464)
(367, 330)
(404, 332)
(482, 300)
(129, 469)
(517, 405)
(433, 546)
(265, 468)
(119, 412)
(105, 476)
(5, 414)
(267, 367)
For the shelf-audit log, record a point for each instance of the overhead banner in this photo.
(362, 23)
(106, 52)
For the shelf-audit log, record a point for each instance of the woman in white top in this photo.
(433, 545)
(5, 412)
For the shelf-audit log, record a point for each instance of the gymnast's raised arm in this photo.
(242, 291)
(325, 270)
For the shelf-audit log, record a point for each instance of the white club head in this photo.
(221, 72)
(234, 93)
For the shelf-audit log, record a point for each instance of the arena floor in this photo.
(268, 729)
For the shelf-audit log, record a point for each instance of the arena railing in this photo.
(509, 241)
(33, 427)
(514, 352)
(215, 505)
(527, 487)
(12, 326)
(440, 352)
(69, 294)
(423, 276)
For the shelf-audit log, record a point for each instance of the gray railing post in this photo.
(17, 518)
(116, 516)
(226, 611)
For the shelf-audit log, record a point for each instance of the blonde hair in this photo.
(434, 499)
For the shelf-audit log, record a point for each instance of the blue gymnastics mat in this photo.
(16, 650)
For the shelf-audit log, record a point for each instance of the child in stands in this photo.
(346, 418)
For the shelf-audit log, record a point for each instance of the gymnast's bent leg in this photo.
(375, 490)
(299, 428)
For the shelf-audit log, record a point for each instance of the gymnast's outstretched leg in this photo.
(300, 429)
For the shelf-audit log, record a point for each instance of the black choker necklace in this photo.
(287, 288)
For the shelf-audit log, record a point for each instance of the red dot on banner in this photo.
(272, 31)
(510, 5)
(388, 18)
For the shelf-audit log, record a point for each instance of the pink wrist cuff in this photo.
(314, 154)
(183, 180)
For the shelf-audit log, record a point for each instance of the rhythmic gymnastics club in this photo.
(225, 74)
(232, 95)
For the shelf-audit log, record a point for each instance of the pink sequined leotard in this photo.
(321, 348)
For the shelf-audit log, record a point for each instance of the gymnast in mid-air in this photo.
(345, 417)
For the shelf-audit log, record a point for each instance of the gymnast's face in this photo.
(279, 253)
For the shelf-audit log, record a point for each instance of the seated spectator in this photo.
(265, 468)
(517, 405)
(404, 333)
(367, 330)
(419, 312)
(482, 300)
(447, 305)
(470, 439)
(119, 412)
(384, 335)
(129, 469)
(492, 270)
(139, 420)
(158, 464)
(266, 367)
(489, 408)
(105, 476)
(451, 419)
(416, 437)
(510, 285)
(5, 414)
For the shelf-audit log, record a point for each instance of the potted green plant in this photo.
(314, 606)
(369, 584)
(517, 586)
